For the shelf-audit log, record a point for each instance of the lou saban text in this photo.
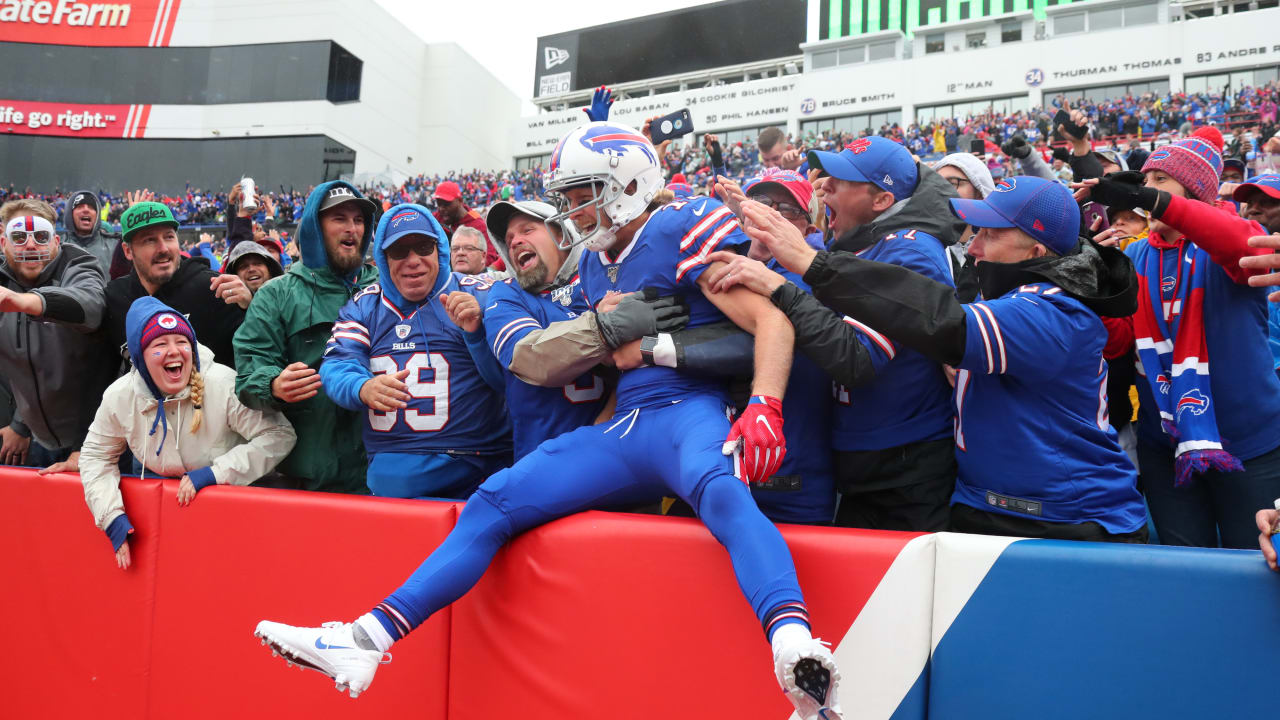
(70, 119)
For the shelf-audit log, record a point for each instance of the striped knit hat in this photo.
(1196, 163)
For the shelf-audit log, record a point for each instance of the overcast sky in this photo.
(503, 34)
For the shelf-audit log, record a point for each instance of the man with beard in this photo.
(85, 230)
(280, 345)
(214, 304)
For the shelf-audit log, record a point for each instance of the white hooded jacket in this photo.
(239, 444)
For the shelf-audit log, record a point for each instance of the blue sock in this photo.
(449, 572)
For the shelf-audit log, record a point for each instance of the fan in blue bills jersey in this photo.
(545, 290)
(435, 427)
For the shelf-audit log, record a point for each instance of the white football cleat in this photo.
(330, 649)
(807, 673)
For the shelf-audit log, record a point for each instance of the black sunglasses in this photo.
(422, 248)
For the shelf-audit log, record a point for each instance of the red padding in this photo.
(77, 628)
(239, 555)
(629, 616)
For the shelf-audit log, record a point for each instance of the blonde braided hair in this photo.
(196, 383)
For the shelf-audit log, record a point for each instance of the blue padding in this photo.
(1070, 630)
(914, 705)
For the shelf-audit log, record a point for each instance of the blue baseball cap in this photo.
(876, 160)
(408, 221)
(1043, 209)
(1268, 184)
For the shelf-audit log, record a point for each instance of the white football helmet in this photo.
(621, 167)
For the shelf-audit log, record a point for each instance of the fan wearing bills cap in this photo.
(885, 207)
(1209, 398)
(1029, 384)
(51, 299)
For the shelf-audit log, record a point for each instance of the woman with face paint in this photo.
(177, 411)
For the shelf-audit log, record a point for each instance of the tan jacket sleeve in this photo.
(558, 354)
(99, 455)
(270, 438)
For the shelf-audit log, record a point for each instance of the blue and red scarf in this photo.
(1169, 330)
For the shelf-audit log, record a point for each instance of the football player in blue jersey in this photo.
(436, 426)
(1037, 455)
(803, 489)
(668, 434)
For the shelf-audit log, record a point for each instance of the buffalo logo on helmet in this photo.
(859, 146)
(1193, 400)
(1006, 185)
(614, 140)
(403, 216)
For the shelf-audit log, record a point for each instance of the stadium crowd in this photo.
(248, 356)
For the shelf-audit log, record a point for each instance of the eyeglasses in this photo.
(956, 182)
(20, 237)
(422, 248)
(466, 249)
(785, 209)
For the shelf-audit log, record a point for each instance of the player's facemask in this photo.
(31, 238)
(601, 237)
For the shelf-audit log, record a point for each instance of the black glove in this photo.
(639, 314)
(1063, 154)
(1016, 148)
(1124, 191)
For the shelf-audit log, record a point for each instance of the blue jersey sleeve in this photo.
(705, 226)
(881, 348)
(1022, 335)
(345, 366)
(506, 321)
(911, 249)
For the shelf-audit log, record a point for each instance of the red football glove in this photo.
(759, 429)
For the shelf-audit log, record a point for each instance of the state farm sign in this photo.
(67, 22)
(73, 119)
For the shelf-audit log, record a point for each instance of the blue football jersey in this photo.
(539, 413)
(451, 408)
(1033, 438)
(909, 400)
(803, 490)
(669, 253)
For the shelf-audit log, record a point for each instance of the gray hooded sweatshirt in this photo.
(102, 242)
(54, 361)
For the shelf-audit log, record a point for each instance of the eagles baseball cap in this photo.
(876, 160)
(789, 180)
(145, 215)
(501, 212)
(408, 221)
(1268, 184)
(447, 191)
(1041, 208)
(339, 194)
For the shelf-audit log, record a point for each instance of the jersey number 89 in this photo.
(437, 390)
